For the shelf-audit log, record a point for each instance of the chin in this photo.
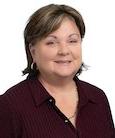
(66, 74)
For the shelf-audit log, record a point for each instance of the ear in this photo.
(32, 51)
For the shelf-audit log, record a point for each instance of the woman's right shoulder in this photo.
(15, 88)
(10, 109)
(15, 92)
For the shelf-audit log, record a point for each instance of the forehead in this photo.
(67, 27)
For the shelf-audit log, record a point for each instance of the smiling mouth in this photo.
(63, 62)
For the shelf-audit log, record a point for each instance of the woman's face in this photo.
(59, 54)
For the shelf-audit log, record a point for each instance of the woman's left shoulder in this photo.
(92, 91)
(100, 106)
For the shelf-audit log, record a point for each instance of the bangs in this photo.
(47, 26)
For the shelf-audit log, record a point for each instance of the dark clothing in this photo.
(28, 111)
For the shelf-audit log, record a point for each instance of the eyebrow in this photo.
(74, 34)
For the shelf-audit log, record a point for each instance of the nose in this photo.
(63, 49)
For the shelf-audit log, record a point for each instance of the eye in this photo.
(50, 43)
(73, 41)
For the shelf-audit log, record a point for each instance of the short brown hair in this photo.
(44, 21)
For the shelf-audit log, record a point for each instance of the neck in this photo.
(58, 84)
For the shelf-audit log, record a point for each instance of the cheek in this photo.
(43, 56)
(77, 53)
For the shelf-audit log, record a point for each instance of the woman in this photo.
(52, 102)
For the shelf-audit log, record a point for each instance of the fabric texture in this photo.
(28, 111)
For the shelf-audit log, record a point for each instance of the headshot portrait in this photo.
(53, 101)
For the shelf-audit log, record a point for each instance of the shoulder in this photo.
(16, 89)
(92, 92)
(100, 107)
(15, 95)
(11, 103)
(19, 86)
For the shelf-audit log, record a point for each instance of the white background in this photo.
(98, 44)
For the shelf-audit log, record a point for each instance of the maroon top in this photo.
(28, 111)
